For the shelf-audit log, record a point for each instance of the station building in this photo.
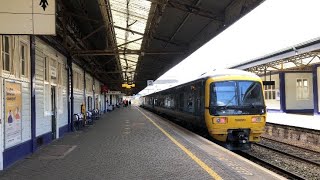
(294, 75)
(31, 119)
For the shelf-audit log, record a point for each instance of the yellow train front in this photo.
(229, 104)
(235, 111)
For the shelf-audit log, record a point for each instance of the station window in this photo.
(46, 68)
(23, 59)
(302, 87)
(60, 74)
(75, 80)
(80, 80)
(6, 53)
(88, 85)
(269, 92)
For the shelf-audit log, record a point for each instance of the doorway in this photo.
(54, 112)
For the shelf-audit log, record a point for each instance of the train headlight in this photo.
(219, 120)
(257, 119)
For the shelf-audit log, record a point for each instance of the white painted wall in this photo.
(62, 103)
(89, 92)
(43, 118)
(273, 104)
(78, 93)
(97, 86)
(25, 87)
(43, 90)
(290, 85)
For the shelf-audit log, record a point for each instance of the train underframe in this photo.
(238, 139)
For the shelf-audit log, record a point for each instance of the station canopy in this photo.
(132, 41)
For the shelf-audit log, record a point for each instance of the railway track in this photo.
(303, 154)
(291, 161)
(272, 167)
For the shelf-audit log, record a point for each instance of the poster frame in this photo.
(4, 114)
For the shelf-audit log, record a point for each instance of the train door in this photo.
(54, 112)
(197, 99)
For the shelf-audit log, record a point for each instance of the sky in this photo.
(272, 26)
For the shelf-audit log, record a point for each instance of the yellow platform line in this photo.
(184, 149)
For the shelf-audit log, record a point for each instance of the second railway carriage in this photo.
(229, 104)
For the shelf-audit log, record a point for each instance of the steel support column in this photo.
(105, 102)
(315, 89)
(68, 95)
(84, 88)
(33, 91)
(93, 93)
(282, 86)
(71, 99)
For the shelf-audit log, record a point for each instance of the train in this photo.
(228, 104)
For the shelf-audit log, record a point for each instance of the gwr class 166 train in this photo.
(229, 104)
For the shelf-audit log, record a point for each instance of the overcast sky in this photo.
(272, 26)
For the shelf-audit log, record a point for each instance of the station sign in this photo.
(114, 92)
(53, 72)
(128, 86)
(28, 17)
(268, 83)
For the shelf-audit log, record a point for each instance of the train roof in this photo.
(214, 73)
(228, 72)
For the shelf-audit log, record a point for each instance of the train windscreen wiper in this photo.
(228, 103)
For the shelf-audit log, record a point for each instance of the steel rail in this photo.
(282, 171)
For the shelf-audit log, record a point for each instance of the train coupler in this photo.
(238, 136)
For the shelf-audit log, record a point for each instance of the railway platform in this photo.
(132, 143)
(295, 120)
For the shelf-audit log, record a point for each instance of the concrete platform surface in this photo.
(296, 120)
(131, 143)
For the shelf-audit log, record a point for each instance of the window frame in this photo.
(300, 90)
(26, 60)
(46, 62)
(270, 91)
(3, 53)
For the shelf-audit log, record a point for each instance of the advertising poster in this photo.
(13, 104)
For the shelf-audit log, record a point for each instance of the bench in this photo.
(78, 121)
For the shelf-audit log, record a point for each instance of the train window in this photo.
(181, 100)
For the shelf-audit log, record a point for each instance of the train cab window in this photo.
(235, 97)
(250, 93)
(223, 93)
